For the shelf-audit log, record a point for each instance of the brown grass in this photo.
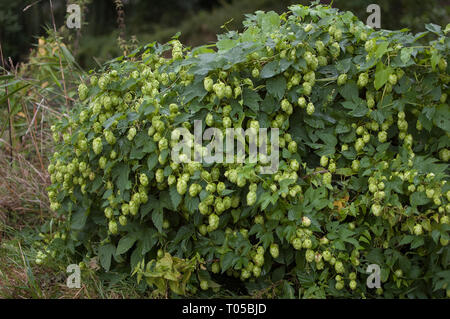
(23, 178)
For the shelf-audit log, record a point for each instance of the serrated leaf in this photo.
(269, 105)
(191, 203)
(226, 44)
(276, 86)
(226, 261)
(417, 242)
(152, 161)
(251, 99)
(381, 49)
(274, 68)
(406, 240)
(183, 233)
(418, 199)
(105, 254)
(442, 117)
(148, 240)
(125, 243)
(78, 219)
(405, 54)
(175, 197)
(437, 29)
(120, 174)
(381, 75)
(158, 218)
(349, 91)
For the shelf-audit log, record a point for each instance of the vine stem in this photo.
(327, 79)
(315, 173)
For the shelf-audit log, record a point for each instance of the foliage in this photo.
(364, 123)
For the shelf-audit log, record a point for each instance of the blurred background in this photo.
(41, 67)
(143, 21)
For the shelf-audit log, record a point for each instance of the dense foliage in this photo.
(364, 144)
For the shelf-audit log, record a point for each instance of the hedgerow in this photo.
(364, 145)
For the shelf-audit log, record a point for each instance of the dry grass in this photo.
(37, 93)
(22, 186)
(23, 177)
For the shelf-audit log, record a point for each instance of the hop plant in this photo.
(362, 117)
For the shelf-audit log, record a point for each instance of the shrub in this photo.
(363, 120)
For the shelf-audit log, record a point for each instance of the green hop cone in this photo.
(274, 250)
(342, 79)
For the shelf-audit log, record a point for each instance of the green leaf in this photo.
(270, 21)
(195, 90)
(251, 99)
(151, 204)
(381, 49)
(417, 242)
(342, 128)
(358, 108)
(349, 91)
(121, 173)
(159, 205)
(276, 86)
(274, 68)
(435, 234)
(191, 203)
(442, 117)
(375, 256)
(294, 213)
(152, 161)
(378, 116)
(339, 244)
(136, 257)
(78, 219)
(437, 29)
(226, 44)
(105, 253)
(148, 240)
(405, 54)
(175, 197)
(125, 243)
(418, 199)
(226, 261)
(266, 239)
(185, 232)
(343, 66)
(435, 57)
(278, 273)
(406, 239)
(107, 124)
(381, 75)
(157, 219)
(327, 138)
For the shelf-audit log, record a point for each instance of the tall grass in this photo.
(35, 93)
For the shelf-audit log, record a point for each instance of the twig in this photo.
(30, 5)
(315, 173)
(33, 135)
(34, 116)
